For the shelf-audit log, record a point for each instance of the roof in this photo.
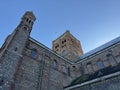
(98, 49)
(45, 47)
(112, 42)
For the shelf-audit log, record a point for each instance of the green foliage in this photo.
(80, 79)
(102, 72)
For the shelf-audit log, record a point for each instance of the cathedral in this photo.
(26, 64)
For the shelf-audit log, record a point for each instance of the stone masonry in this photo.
(26, 64)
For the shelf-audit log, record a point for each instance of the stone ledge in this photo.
(93, 81)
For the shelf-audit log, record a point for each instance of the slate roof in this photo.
(45, 47)
(112, 42)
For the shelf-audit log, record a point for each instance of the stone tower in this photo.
(12, 49)
(67, 46)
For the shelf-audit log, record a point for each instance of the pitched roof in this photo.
(106, 45)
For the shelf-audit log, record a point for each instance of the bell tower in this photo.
(27, 21)
(67, 46)
(13, 50)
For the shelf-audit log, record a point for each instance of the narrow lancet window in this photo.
(54, 64)
(100, 64)
(34, 53)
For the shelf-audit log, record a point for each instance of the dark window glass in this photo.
(25, 28)
(1, 82)
(27, 20)
(63, 41)
(55, 64)
(100, 64)
(57, 46)
(34, 53)
(16, 49)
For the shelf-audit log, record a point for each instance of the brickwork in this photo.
(38, 72)
(13, 53)
(50, 75)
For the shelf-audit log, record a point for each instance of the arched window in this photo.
(27, 20)
(16, 49)
(54, 64)
(34, 53)
(25, 28)
(100, 64)
(63, 41)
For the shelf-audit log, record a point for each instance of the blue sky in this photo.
(93, 22)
